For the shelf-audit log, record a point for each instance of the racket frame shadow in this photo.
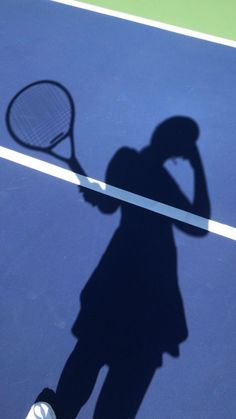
(69, 132)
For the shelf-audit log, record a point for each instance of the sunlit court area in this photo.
(117, 209)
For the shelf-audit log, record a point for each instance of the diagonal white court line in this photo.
(149, 22)
(109, 190)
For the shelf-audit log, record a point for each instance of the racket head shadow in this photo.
(41, 115)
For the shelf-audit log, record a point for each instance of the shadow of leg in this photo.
(124, 389)
(77, 381)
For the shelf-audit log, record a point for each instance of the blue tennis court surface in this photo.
(125, 79)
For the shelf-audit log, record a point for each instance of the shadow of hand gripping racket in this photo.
(40, 116)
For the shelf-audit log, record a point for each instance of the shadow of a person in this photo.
(131, 307)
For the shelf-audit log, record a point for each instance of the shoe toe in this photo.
(41, 410)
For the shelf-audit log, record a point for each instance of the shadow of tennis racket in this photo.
(40, 116)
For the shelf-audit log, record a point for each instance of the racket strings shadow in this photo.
(41, 116)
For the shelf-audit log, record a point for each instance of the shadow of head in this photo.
(175, 137)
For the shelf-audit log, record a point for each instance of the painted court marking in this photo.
(109, 190)
(149, 22)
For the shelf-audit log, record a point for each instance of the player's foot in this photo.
(42, 408)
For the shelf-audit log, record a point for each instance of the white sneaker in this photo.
(41, 410)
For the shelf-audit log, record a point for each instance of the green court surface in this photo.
(214, 17)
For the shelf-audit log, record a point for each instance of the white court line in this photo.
(149, 22)
(132, 198)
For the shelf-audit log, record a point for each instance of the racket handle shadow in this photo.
(76, 167)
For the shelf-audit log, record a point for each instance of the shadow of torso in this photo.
(132, 304)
